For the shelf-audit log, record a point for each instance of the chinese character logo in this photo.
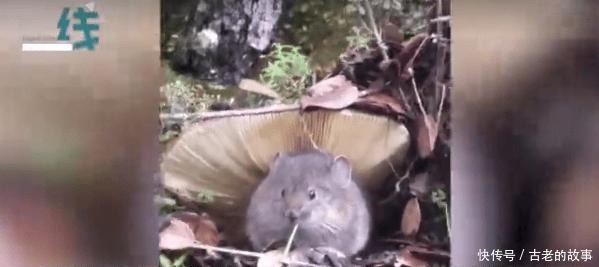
(81, 17)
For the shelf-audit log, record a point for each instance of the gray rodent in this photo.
(319, 192)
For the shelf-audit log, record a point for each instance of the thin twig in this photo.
(441, 19)
(439, 15)
(416, 92)
(400, 180)
(447, 220)
(198, 245)
(393, 170)
(377, 33)
(290, 241)
(440, 110)
(404, 98)
(440, 58)
(365, 26)
(411, 72)
(417, 52)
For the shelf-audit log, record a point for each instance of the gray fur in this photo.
(338, 215)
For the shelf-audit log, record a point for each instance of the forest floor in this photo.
(382, 68)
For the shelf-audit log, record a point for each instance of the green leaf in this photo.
(165, 261)
(179, 262)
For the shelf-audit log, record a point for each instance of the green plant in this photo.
(359, 38)
(287, 72)
(178, 262)
(439, 197)
(180, 93)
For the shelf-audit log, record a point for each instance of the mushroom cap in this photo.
(222, 160)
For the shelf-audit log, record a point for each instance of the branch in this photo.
(417, 52)
(440, 110)
(377, 33)
(441, 19)
(440, 53)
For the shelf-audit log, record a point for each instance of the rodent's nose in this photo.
(292, 214)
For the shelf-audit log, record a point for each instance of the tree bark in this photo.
(224, 38)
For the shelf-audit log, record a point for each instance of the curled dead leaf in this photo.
(177, 235)
(258, 88)
(204, 229)
(384, 101)
(185, 228)
(333, 93)
(410, 221)
(392, 34)
(426, 134)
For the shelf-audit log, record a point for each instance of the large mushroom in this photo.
(226, 156)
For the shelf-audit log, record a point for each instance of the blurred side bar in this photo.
(525, 124)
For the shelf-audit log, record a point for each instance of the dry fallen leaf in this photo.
(409, 53)
(185, 228)
(332, 93)
(328, 85)
(258, 88)
(202, 226)
(410, 221)
(426, 135)
(392, 34)
(177, 235)
(383, 101)
(406, 259)
(377, 85)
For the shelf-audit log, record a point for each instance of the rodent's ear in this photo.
(342, 169)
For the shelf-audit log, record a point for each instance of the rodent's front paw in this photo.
(328, 256)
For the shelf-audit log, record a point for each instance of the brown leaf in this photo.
(406, 258)
(377, 85)
(392, 34)
(383, 101)
(332, 93)
(426, 135)
(258, 88)
(202, 226)
(187, 227)
(177, 235)
(410, 47)
(409, 53)
(410, 221)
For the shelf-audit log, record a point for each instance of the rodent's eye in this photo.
(312, 194)
(283, 192)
